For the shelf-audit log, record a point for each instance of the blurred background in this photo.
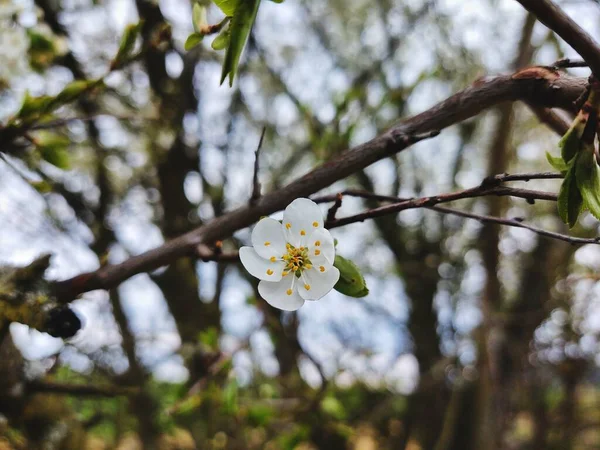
(472, 336)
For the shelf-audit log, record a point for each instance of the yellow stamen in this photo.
(322, 268)
(307, 287)
(288, 292)
(272, 259)
(302, 233)
(288, 225)
(308, 266)
(267, 244)
(284, 273)
(269, 272)
(317, 252)
(315, 224)
(317, 243)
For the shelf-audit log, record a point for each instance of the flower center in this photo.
(296, 260)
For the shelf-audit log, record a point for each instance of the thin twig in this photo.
(334, 209)
(518, 222)
(255, 183)
(554, 18)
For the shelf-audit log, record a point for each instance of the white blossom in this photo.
(294, 258)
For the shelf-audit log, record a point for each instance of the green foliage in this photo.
(227, 6)
(333, 407)
(588, 180)
(132, 31)
(351, 282)
(199, 17)
(241, 25)
(42, 50)
(570, 201)
(193, 40)
(230, 396)
(222, 40)
(558, 163)
(53, 148)
(580, 189)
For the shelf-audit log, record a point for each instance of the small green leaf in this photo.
(230, 397)
(193, 40)
(588, 180)
(227, 6)
(570, 201)
(222, 39)
(199, 17)
(43, 187)
(34, 106)
(130, 35)
(351, 281)
(71, 92)
(53, 149)
(557, 162)
(570, 143)
(241, 25)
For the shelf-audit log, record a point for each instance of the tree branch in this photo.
(554, 18)
(536, 85)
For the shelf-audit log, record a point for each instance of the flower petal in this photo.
(300, 218)
(261, 268)
(282, 294)
(319, 282)
(267, 238)
(321, 248)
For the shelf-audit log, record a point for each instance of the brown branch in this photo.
(554, 18)
(550, 119)
(425, 202)
(408, 204)
(537, 85)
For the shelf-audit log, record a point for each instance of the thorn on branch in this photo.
(334, 209)
(255, 183)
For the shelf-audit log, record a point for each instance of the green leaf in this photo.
(199, 17)
(570, 201)
(222, 39)
(193, 40)
(333, 407)
(34, 106)
(71, 92)
(351, 281)
(53, 148)
(588, 180)
(130, 35)
(557, 162)
(241, 25)
(570, 143)
(227, 6)
(230, 397)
